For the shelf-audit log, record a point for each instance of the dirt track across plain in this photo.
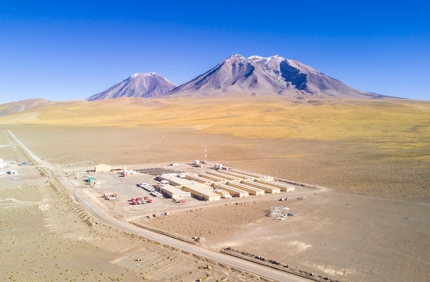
(385, 239)
(107, 218)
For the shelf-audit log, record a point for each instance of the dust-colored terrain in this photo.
(345, 165)
(346, 237)
(375, 156)
(46, 236)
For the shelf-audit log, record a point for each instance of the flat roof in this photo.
(244, 186)
(275, 183)
(171, 189)
(212, 176)
(176, 179)
(261, 185)
(245, 172)
(202, 189)
(221, 175)
(231, 188)
(197, 178)
(236, 174)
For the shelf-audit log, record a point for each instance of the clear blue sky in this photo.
(67, 51)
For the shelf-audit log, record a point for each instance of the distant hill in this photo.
(23, 105)
(145, 85)
(268, 76)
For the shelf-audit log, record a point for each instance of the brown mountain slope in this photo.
(23, 105)
(273, 76)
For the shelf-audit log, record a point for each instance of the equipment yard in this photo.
(143, 184)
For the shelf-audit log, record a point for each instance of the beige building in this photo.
(281, 186)
(173, 192)
(102, 168)
(175, 180)
(212, 177)
(236, 174)
(251, 190)
(232, 190)
(201, 191)
(222, 175)
(266, 188)
(252, 174)
(197, 178)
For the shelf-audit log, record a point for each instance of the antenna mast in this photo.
(205, 156)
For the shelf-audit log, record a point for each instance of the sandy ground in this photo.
(349, 237)
(46, 236)
(346, 237)
(346, 166)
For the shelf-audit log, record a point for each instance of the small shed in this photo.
(91, 179)
(102, 168)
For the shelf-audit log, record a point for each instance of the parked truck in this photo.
(110, 196)
(140, 201)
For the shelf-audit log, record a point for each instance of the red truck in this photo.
(139, 201)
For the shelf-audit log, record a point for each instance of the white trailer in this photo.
(251, 190)
(266, 188)
(282, 186)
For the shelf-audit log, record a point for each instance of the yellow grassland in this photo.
(389, 123)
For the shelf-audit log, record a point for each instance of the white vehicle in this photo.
(156, 194)
(146, 186)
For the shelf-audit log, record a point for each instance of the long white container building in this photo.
(282, 186)
(235, 174)
(224, 194)
(266, 188)
(251, 190)
(212, 177)
(197, 178)
(175, 180)
(200, 191)
(235, 192)
(173, 192)
(223, 176)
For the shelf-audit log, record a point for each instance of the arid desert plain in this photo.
(368, 221)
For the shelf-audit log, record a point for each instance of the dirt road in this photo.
(107, 218)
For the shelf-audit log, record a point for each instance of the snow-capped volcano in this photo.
(267, 76)
(147, 85)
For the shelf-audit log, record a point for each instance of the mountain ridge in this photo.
(258, 75)
(144, 85)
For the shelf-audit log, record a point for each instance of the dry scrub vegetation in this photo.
(46, 236)
(216, 222)
(392, 123)
(377, 148)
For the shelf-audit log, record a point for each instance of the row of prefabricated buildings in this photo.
(216, 184)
